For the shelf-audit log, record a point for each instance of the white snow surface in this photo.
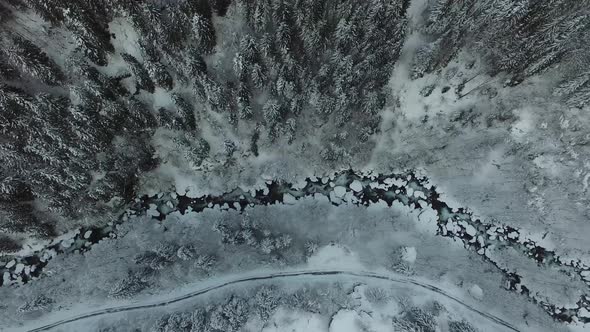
(356, 186)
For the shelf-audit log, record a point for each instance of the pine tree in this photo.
(196, 65)
(7, 71)
(221, 6)
(230, 316)
(200, 321)
(31, 60)
(265, 302)
(203, 34)
(8, 245)
(179, 322)
(176, 26)
(569, 87)
(90, 33)
(186, 111)
(140, 73)
(580, 98)
(139, 117)
(271, 111)
(186, 252)
(50, 10)
(204, 262)
(159, 74)
(461, 326)
(40, 302)
(425, 59)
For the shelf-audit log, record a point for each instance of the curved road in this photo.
(276, 275)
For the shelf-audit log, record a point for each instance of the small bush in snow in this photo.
(376, 295)
(179, 322)
(151, 260)
(311, 247)
(436, 308)
(462, 326)
(128, 286)
(38, 303)
(305, 299)
(265, 302)
(402, 325)
(186, 252)
(200, 321)
(403, 268)
(231, 316)
(167, 251)
(267, 245)
(421, 318)
(205, 262)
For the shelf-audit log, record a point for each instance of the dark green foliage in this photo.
(462, 326)
(87, 20)
(50, 10)
(38, 303)
(254, 142)
(159, 74)
(196, 65)
(31, 60)
(52, 149)
(91, 36)
(7, 70)
(141, 75)
(231, 316)
(19, 217)
(186, 112)
(139, 117)
(170, 119)
(129, 286)
(265, 301)
(415, 319)
(5, 13)
(196, 149)
(73, 136)
(308, 63)
(221, 6)
(522, 38)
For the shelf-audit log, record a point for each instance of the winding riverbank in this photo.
(345, 187)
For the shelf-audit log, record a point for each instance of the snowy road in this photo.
(351, 187)
(199, 289)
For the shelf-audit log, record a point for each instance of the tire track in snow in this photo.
(276, 276)
(345, 187)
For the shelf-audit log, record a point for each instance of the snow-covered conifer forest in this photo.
(295, 165)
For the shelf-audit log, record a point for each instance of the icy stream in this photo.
(346, 187)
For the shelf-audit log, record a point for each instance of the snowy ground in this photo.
(373, 305)
(376, 238)
(514, 157)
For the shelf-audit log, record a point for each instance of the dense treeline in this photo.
(522, 38)
(75, 136)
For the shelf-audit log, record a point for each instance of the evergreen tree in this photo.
(141, 75)
(230, 316)
(31, 60)
(7, 71)
(128, 286)
(186, 111)
(203, 34)
(90, 34)
(200, 321)
(158, 74)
